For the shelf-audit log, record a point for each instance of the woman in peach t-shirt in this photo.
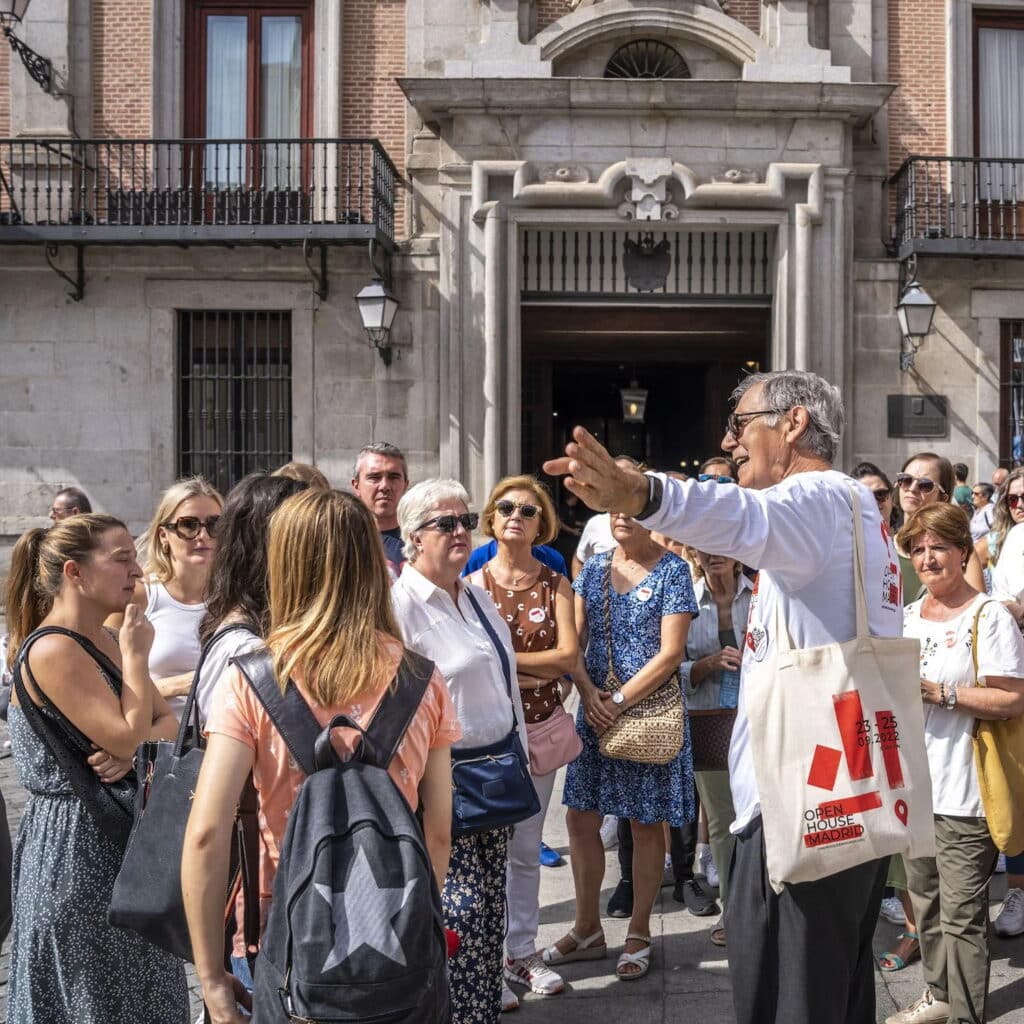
(330, 607)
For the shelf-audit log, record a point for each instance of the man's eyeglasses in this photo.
(738, 420)
(188, 527)
(906, 482)
(506, 507)
(449, 524)
(705, 477)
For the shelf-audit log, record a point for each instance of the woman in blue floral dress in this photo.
(646, 596)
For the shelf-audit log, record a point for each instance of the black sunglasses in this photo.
(448, 524)
(882, 493)
(705, 477)
(188, 527)
(506, 507)
(906, 482)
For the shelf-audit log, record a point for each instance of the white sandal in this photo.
(640, 959)
(591, 948)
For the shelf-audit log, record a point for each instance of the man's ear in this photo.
(798, 421)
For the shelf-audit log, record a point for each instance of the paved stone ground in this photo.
(689, 978)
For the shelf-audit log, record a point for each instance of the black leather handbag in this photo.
(147, 892)
(492, 784)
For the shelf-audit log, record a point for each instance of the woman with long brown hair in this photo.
(333, 635)
(83, 701)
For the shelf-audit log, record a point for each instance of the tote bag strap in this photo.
(783, 641)
(860, 593)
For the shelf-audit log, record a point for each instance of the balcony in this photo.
(959, 206)
(196, 191)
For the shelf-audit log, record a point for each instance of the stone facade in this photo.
(497, 114)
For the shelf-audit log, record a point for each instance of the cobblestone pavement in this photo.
(689, 977)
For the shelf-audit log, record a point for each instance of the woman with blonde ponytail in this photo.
(331, 633)
(83, 701)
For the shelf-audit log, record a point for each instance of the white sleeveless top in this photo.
(176, 646)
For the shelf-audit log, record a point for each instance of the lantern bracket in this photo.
(77, 283)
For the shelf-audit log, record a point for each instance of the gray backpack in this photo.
(355, 931)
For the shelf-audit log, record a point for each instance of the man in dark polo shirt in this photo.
(380, 478)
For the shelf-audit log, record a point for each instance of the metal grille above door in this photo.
(235, 393)
(735, 266)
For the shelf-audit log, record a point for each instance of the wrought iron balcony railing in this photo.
(959, 205)
(195, 191)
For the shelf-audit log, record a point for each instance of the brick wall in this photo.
(917, 65)
(5, 89)
(747, 11)
(551, 10)
(373, 56)
(121, 52)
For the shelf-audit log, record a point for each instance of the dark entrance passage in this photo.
(576, 359)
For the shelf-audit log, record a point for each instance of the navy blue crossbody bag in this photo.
(492, 784)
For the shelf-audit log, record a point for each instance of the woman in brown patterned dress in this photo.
(537, 604)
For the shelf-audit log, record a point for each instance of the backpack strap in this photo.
(396, 711)
(288, 711)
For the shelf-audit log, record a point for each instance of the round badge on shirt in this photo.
(537, 615)
(644, 594)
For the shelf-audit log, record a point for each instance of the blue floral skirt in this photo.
(646, 793)
(473, 901)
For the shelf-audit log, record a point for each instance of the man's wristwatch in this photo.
(619, 698)
(655, 494)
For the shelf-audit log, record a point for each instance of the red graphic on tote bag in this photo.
(834, 821)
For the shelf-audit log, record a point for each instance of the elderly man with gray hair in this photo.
(802, 956)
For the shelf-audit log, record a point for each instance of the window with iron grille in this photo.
(235, 393)
(1011, 393)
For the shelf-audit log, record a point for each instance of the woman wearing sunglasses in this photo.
(1008, 512)
(927, 479)
(457, 626)
(537, 604)
(177, 551)
(881, 488)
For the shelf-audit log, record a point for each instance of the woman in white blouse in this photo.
(950, 891)
(714, 651)
(438, 620)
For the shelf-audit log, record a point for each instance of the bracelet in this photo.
(942, 695)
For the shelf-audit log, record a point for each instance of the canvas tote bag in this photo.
(837, 738)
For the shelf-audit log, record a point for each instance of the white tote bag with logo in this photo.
(837, 738)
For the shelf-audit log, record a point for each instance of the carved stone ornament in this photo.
(647, 192)
(563, 174)
(737, 176)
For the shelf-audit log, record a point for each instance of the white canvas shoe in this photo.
(927, 1010)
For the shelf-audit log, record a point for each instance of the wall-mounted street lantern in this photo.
(634, 403)
(915, 312)
(40, 70)
(377, 309)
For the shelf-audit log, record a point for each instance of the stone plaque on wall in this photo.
(918, 416)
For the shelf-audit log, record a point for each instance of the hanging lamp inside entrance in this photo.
(634, 402)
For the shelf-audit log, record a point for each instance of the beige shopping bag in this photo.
(837, 738)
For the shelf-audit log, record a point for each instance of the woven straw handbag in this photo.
(650, 732)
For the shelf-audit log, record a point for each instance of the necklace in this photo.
(513, 580)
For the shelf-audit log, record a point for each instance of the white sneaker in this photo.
(927, 1010)
(1010, 921)
(892, 910)
(610, 832)
(534, 973)
(1000, 868)
(509, 1000)
(707, 866)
